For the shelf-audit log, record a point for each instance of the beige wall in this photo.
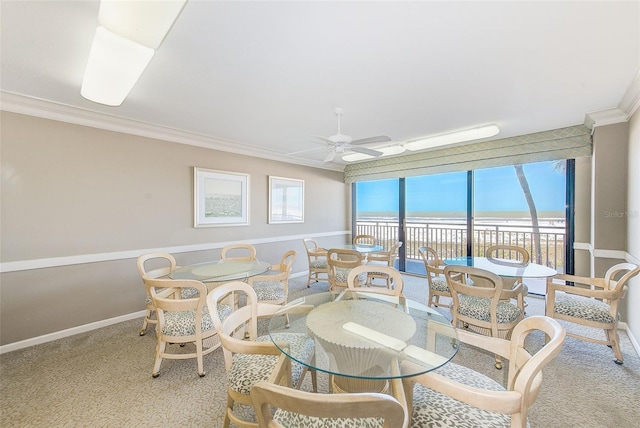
(633, 225)
(582, 216)
(70, 192)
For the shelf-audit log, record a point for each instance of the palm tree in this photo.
(524, 184)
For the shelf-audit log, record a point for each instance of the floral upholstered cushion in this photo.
(183, 323)
(584, 308)
(479, 308)
(433, 409)
(269, 290)
(293, 420)
(248, 369)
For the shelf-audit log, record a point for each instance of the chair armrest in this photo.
(579, 291)
(592, 282)
(238, 346)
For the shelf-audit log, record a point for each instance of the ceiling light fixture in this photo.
(386, 151)
(123, 46)
(452, 138)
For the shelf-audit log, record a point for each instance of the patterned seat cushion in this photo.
(269, 290)
(183, 323)
(433, 409)
(293, 420)
(584, 308)
(479, 308)
(343, 273)
(439, 283)
(248, 369)
(318, 264)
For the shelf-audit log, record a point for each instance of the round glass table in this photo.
(502, 267)
(362, 338)
(221, 270)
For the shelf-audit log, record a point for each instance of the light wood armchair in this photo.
(383, 258)
(519, 256)
(310, 410)
(457, 396)
(274, 288)
(182, 320)
(365, 240)
(486, 308)
(239, 252)
(168, 265)
(438, 287)
(317, 258)
(250, 358)
(340, 262)
(354, 279)
(591, 302)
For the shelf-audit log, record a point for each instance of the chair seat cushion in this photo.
(288, 419)
(183, 323)
(318, 264)
(584, 308)
(439, 283)
(269, 290)
(343, 273)
(248, 369)
(479, 308)
(433, 409)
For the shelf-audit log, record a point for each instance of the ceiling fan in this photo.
(341, 143)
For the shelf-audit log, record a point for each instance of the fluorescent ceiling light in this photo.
(452, 138)
(386, 151)
(115, 65)
(144, 22)
(124, 45)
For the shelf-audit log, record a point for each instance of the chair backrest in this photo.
(231, 252)
(286, 262)
(167, 297)
(389, 257)
(618, 276)
(166, 262)
(517, 255)
(365, 240)
(244, 319)
(433, 264)
(396, 278)
(291, 403)
(311, 246)
(344, 258)
(486, 284)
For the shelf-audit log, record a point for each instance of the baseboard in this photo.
(632, 338)
(68, 332)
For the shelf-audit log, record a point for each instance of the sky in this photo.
(495, 189)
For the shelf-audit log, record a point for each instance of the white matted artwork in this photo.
(220, 198)
(286, 200)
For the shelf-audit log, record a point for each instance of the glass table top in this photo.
(504, 267)
(221, 270)
(363, 334)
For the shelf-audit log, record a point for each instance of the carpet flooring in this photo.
(103, 379)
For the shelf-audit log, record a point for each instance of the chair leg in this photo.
(160, 348)
(227, 421)
(199, 358)
(613, 338)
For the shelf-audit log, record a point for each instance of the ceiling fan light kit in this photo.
(452, 138)
(123, 46)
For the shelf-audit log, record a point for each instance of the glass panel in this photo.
(522, 205)
(377, 204)
(436, 211)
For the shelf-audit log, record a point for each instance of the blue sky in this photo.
(496, 189)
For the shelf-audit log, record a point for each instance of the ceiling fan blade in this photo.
(325, 139)
(331, 156)
(370, 140)
(366, 151)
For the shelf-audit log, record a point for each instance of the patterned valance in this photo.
(558, 144)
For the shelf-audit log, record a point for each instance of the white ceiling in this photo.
(263, 77)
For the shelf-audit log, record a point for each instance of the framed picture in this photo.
(220, 198)
(286, 200)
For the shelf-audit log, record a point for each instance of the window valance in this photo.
(557, 144)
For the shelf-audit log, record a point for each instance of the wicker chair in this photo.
(591, 302)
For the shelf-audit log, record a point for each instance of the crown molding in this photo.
(17, 103)
(622, 113)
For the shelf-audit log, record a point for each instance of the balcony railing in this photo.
(450, 239)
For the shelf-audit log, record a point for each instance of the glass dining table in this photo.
(364, 339)
(221, 271)
(502, 267)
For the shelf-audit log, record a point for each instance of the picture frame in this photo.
(220, 198)
(286, 200)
